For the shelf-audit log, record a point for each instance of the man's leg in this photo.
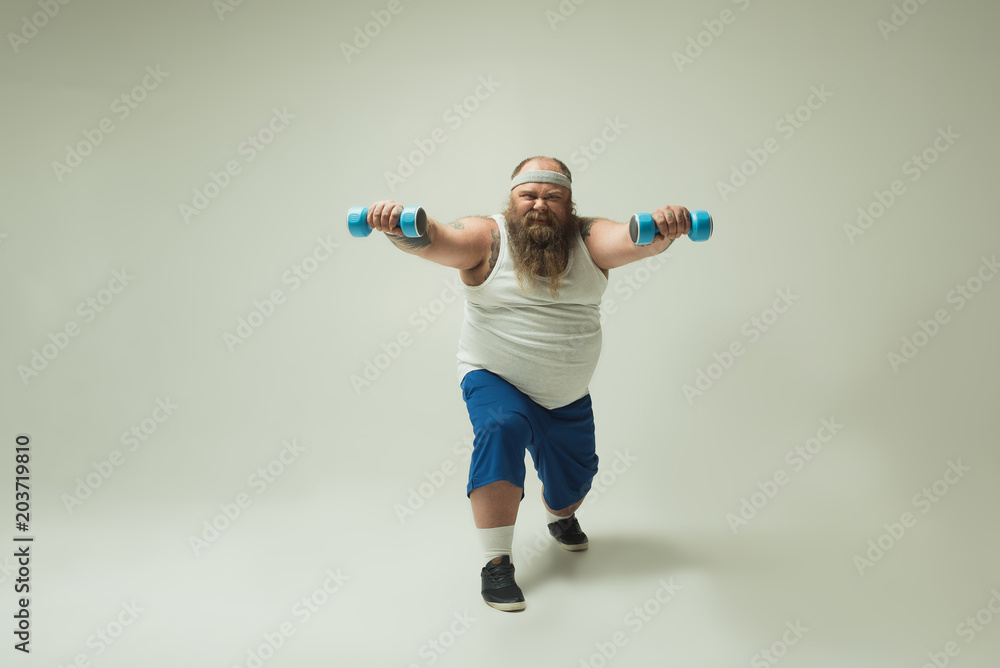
(567, 463)
(495, 504)
(496, 479)
(494, 508)
(563, 512)
(564, 527)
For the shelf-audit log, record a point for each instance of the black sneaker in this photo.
(499, 589)
(569, 534)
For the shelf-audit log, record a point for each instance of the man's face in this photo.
(541, 229)
(541, 211)
(541, 204)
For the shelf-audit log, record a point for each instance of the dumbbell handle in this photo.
(412, 222)
(642, 228)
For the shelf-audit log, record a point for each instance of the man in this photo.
(529, 345)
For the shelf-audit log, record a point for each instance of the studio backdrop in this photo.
(233, 435)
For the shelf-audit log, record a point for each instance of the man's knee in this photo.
(498, 491)
(498, 487)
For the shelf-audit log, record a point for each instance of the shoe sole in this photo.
(575, 548)
(506, 607)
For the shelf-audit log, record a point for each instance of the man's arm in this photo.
(611, 246)
(464, 244)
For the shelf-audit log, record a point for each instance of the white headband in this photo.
(541, 176)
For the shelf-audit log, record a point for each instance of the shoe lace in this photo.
(568, 525)
(500, 575)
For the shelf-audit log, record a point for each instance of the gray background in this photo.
(693, 459)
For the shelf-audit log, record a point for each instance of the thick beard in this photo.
(539, 251)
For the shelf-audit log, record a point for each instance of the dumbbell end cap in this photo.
(642, 229)
(357, 222)
(701, 226)
(413, 221)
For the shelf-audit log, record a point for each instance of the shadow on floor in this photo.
(610, 556)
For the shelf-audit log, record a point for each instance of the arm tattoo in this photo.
(585, 225)
(494, 250)
(410, 244)
(458, 225)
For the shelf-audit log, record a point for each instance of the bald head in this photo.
(543, 173)
(548, 164)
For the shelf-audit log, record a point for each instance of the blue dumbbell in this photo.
(412, 222)
(642, 227)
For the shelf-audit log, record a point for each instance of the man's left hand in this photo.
(673, 222)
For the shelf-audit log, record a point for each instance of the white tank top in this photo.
(547, 348)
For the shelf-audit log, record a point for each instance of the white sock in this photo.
(497, 541)
(555, 518)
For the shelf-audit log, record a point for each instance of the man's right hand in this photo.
(383, 216)
(468, 244)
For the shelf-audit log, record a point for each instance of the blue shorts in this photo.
(506, 422)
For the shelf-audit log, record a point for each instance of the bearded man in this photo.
(534, 277)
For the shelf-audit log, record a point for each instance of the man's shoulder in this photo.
(466, 221)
